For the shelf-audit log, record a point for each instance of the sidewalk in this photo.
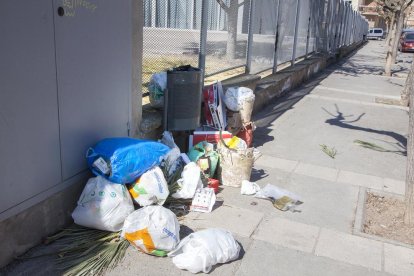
(336, 108)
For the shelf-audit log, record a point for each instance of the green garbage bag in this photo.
(206, 158)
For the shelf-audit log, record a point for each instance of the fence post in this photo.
(337, 23)
(276, 39)
(346, 25)
(309, 26)
(295, 38)
(343, 21)
(249, 39)
(203, 39)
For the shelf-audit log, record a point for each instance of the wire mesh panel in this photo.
(314, 28)
(227, 35)
(171, 35)
(264, 34)
(286, 30)
(303, 22)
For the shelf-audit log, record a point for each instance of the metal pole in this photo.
(337, 24)
(343, 22)
(309, 26)
(153, 13)
(295, 39)
(339, 27)
(275, 53)
(346, 29)
(250, 39)
(327, 25)
(203, 39)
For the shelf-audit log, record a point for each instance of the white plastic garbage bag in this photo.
(201, 250)
(156, 88)
(153, 229)
(249, 188)
(103, 205)
(189, 182)
(150, 188)
(235, 97)
(282, 199)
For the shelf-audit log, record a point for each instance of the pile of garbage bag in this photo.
(139, 186)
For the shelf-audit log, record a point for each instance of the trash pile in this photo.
(139, 189)
(142, 186)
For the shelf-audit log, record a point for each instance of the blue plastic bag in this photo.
(125, 159)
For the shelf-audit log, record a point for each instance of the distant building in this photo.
(369, 9)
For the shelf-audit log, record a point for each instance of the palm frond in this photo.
(331, 152)
(369, 145)
(84, 251)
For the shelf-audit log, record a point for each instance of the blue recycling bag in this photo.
(123, 160)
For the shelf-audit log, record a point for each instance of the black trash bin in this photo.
(182, 99)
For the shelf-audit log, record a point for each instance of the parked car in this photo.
(375, 33)
(406, 43)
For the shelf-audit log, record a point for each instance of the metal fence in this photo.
(251, 35)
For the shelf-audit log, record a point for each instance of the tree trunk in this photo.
(389, 29)
(232, 15)
(409, 180)
(388, 58)
(405, 93)
(397, 36)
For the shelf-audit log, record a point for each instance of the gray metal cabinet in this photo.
(29, 127)
(94, 71)
(65, 83)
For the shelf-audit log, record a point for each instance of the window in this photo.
(378, 31)
(410, 36)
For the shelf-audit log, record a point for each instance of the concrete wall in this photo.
(93, 66)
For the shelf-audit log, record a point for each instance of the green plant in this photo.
(331, 152)
(369, 145)
(85, 251)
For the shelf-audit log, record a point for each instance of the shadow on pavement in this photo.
(340, 121)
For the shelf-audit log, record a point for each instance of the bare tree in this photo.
(409, 180)
(232, 11)
(395, 10)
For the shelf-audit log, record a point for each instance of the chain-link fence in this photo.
(252, 35)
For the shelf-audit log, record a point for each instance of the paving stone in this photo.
(266, 259)
(349, 249)
(398, 260)
(394, 186)
(326, 204)
(288, 233)
(237, 220)
(277, 163)
(317, 171)
(359, 179)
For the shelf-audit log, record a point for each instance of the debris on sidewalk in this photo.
(201, 250)
(331, 152)
(205, 156)
(281, 199)
(103, 205)
(235, 164)
(126, 159)
(152, 229)
(249, 188)
(369, 145)
(165, 184)
(189, 182)
(156, 88)
(151, 188)
(84, 250)
(214, 108)
(203, 200)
